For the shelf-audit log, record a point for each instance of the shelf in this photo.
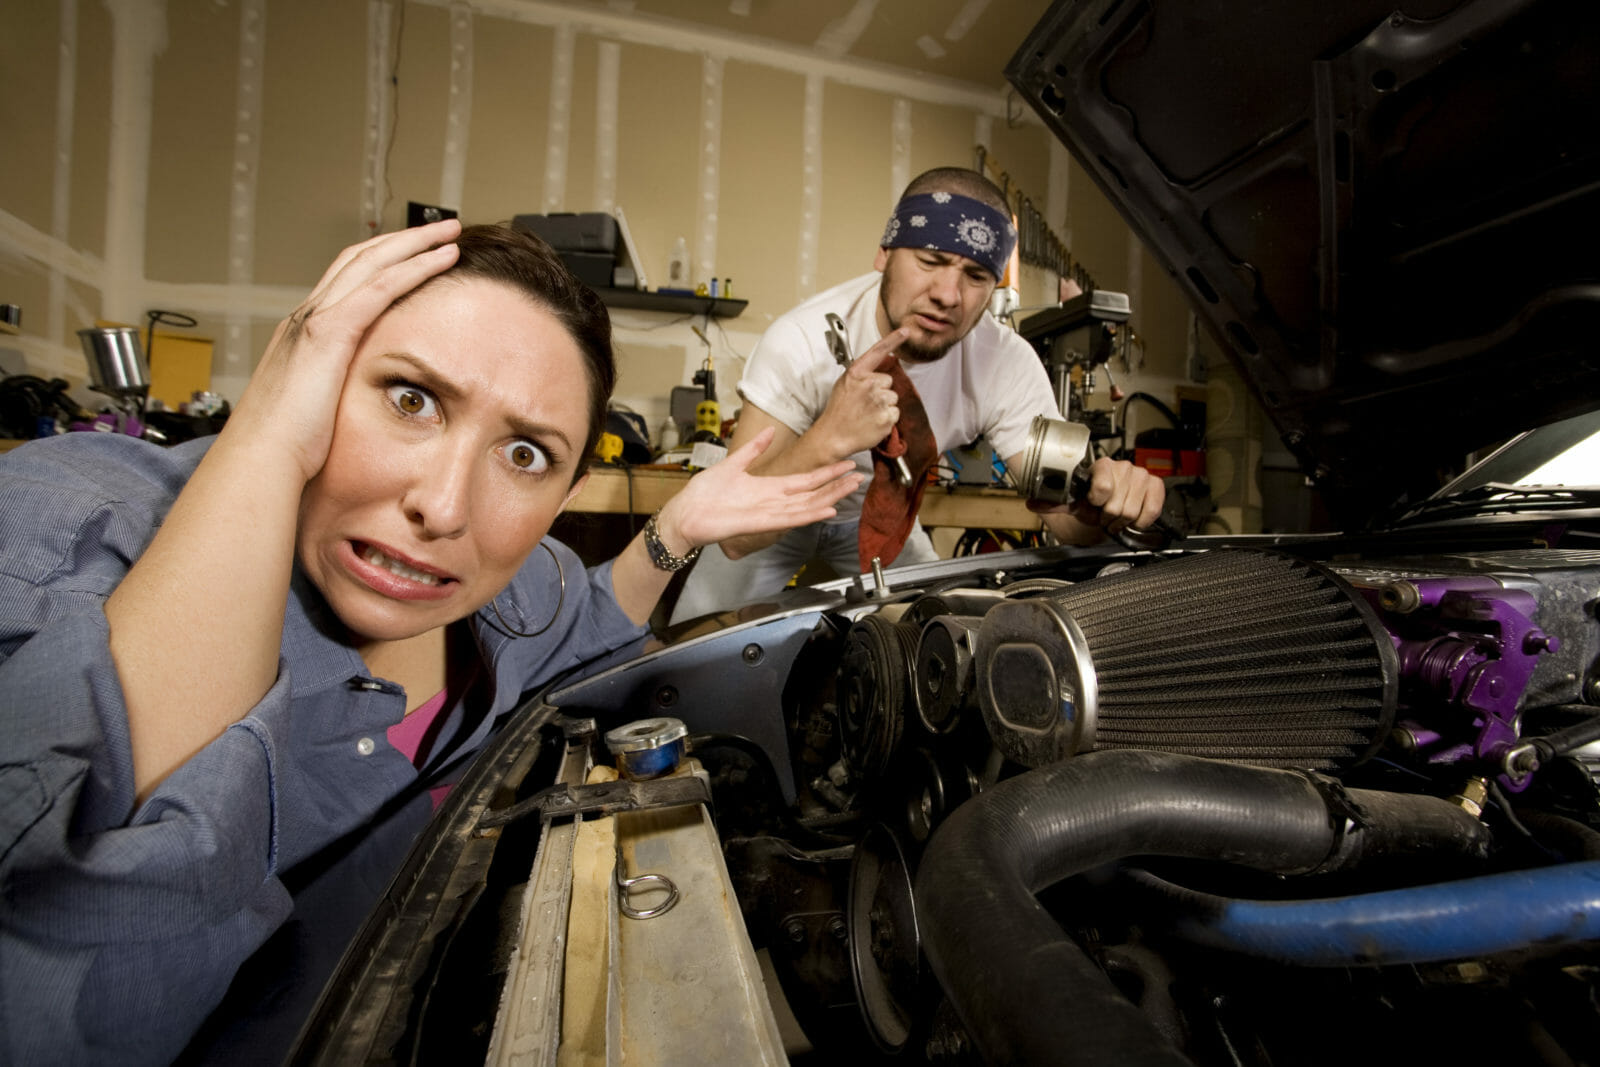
(640, 300)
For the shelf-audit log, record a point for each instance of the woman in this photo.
(233, 672)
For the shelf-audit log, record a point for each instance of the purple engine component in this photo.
(1470, 644)
(112, 422)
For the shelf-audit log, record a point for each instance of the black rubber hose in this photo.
(1383, 827)
(1574, 841)
(1025, 991)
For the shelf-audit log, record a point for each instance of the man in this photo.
(924, 308)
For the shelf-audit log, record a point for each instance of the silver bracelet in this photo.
(660, 554)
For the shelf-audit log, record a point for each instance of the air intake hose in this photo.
(1025, 991)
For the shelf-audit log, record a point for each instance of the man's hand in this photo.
(863, 406)
(860, 412)
(1120, 495)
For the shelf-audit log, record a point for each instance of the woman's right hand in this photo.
(191, 661)
(293, 395)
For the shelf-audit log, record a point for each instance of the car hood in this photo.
(1383, 212)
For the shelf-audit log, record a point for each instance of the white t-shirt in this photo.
(991, 384)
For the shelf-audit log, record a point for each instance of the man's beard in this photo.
(921, 353)
(910, 350)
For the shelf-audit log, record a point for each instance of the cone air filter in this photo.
(1243, 656)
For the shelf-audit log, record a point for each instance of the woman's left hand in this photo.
(726, 500)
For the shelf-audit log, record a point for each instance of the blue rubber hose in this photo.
(1424, 924)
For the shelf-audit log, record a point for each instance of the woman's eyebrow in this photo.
(446, 389)
(426, 375)
(538, 430)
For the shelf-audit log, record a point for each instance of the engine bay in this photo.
(1106, 807)
(1160, 705)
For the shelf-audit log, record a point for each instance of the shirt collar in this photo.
(313, 641)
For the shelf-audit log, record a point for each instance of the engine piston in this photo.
(1054, 451)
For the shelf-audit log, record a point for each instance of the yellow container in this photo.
(180, 366)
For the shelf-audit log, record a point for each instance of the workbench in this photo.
(642, 490)
(608, 493)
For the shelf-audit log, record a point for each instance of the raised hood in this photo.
(1387, 215)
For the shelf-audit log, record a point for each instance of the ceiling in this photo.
(967, 41)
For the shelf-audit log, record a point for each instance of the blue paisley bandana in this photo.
(948, 222)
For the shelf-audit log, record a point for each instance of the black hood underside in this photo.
(1385, 214)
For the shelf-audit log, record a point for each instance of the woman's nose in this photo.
(440, 497)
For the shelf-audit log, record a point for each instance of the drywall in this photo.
(213, 157)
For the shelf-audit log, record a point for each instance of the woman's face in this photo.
(455, 445)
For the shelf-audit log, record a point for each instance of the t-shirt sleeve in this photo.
(787, 378)
(1022, 392)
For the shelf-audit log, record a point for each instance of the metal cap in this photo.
(645, 734)
(647, 748)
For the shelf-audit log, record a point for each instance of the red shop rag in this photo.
(890, 508)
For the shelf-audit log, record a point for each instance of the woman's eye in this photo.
(411, 400)
(527, 456)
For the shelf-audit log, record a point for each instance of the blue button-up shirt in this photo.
(121, 928)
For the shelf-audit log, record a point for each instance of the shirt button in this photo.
(365, 746)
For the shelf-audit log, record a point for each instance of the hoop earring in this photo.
(560, 599)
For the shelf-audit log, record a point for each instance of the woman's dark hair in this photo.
(503, 253)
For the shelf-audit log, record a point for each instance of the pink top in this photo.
(413, 737)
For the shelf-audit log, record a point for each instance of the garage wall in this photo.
(212, 156)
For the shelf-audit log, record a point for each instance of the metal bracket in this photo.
(604, 798)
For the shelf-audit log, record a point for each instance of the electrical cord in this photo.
(727, 343)
(627, 473)
(1499, 797)
(1171, 417)
(678, 320)
(394, 114)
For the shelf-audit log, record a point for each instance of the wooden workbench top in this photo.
(641, 490)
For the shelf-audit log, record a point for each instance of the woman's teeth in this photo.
(394, 566)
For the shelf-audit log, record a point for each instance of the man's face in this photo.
(938, 296)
